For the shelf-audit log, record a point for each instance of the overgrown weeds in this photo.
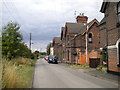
(25, 61)
(17, 73)
(83, 66)
(102, 68)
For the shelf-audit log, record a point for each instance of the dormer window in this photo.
(90, 37)
(118, 14)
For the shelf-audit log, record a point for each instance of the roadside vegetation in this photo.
(18, 61)
(84, 66)
(17, 73)
(103, 61)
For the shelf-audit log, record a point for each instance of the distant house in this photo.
(57, 47)
(63, 47)
(51, 49)
(71, 30)
(110, 34)
(82, 45)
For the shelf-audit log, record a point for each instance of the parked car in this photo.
(52, 59)
(46, 58)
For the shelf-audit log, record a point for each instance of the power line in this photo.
(14, 14)
(10, 14)
(14, 8)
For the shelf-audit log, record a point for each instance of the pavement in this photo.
(100, 74)
(103, 75)
(59, 76)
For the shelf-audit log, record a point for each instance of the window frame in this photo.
(118, 54)
(90, 37)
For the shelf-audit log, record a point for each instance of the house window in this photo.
(118, 14)
(90, 37)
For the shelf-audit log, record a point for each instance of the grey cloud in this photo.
(44, 18)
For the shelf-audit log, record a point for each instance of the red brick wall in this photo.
(112, 65)
(95, 37)
(103, 35)
(80, 44)
(112, 35)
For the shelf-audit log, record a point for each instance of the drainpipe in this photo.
(107, 50)
(86, 46)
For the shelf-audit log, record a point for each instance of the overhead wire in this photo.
(13, 13)
(16, 13)
(11, 17)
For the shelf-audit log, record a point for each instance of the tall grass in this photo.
(8, 76)
(22, 61)
(13, 73)
(82, 66)
(0, 74)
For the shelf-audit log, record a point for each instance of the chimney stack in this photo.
(81, 18)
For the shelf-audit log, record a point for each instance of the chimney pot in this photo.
(81, 18)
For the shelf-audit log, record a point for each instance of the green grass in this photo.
(0, 75)
(24, 74)
(84, 66)
(17, 73)
(100, 68)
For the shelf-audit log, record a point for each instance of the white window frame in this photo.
(90, 39)
(117, 45)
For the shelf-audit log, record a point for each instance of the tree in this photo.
(36, 54)
(11, 40)
(25, 51)
(48, 48)
(42, 53)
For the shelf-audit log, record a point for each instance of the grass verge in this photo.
(17, 73)
(83, 66)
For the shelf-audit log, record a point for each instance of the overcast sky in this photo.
(44, 18)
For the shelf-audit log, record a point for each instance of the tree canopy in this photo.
(12, 45)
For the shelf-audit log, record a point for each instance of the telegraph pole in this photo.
(30, 41)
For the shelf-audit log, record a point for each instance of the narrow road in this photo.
(58, 76)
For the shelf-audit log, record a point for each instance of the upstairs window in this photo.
(118, 14)
(90, 37)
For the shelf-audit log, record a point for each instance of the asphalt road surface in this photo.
(58, 76)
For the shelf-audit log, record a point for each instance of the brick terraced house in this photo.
(63, 47)
(71, 30)
(57, 48)
(110, 34)
(80, 42)
(73, 40)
